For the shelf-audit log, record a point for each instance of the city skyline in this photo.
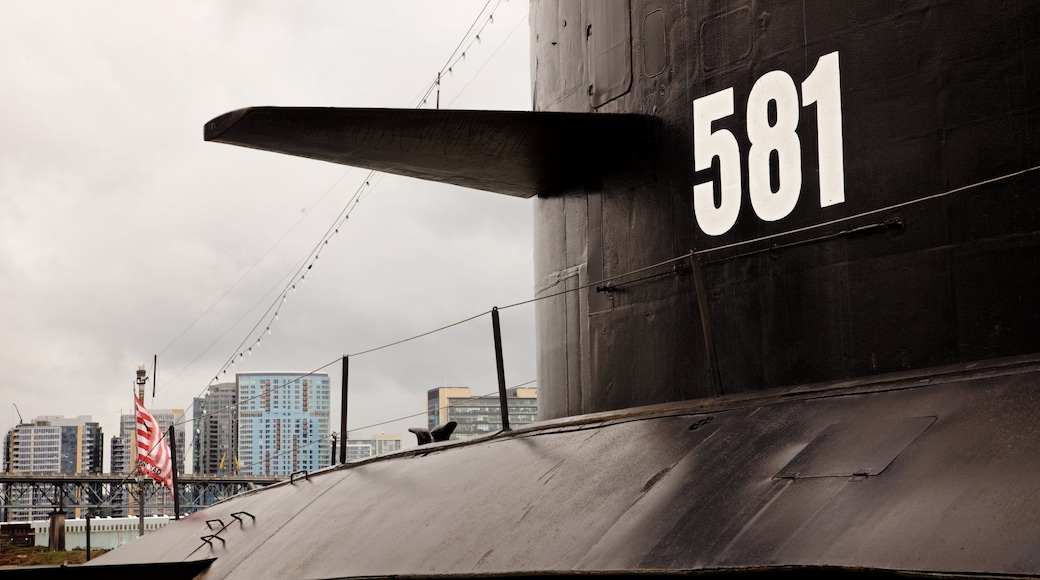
(217, 415)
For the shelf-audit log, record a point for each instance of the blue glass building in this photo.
(283, 422)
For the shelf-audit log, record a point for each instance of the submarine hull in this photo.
(858, 182)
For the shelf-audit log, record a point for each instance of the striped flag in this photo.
(153, 451)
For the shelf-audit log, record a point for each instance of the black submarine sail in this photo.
(835, 360)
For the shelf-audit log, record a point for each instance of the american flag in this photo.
(153, 451)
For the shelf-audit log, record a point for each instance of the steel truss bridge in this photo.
(116, 494)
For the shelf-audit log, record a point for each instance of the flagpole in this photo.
(142, 380)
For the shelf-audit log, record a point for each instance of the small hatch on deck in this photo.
(855, 448)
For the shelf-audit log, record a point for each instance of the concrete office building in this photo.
(479, 415)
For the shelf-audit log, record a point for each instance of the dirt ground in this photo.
(39, 556)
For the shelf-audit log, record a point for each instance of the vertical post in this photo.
(438, 90)
(173, 458)
(140, 506)
(709, 335)
(142, 380)
(87, 530)
(333, 449)
(343, 411)
(497, 327)
(56, 532)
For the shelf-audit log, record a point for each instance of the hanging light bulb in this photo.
(477, 39)
(451, 72)
(463, 56)
(250, 351)
(276, 315)
(491, 18)
(283, 298)
(268, 330)
(239, 356)
(294, 288)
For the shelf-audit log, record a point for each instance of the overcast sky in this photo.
(120, 226)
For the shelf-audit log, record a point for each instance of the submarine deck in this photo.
(918, 471)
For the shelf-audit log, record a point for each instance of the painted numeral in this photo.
(823, 87)
(708, 144)
(772, 122)
(770, 204)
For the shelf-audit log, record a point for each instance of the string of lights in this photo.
(459, 53)
(263, 326)
(488, 61)
(253, 338)
(250, 269)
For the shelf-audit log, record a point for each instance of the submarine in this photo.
(787, 258)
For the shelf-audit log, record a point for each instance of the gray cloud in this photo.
(119, 225)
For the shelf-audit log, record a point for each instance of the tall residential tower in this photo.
(283, 422)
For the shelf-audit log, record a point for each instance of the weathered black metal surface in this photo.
(514, 152)
(855, 448)
(937, 97)
(686, 486)
(152, 571)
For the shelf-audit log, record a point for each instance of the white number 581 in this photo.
(770, 201)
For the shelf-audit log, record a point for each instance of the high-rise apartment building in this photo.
(283, 422)
(479, 415)
(49, 445)
(378, 445)
(215, 441)
(54, 444)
